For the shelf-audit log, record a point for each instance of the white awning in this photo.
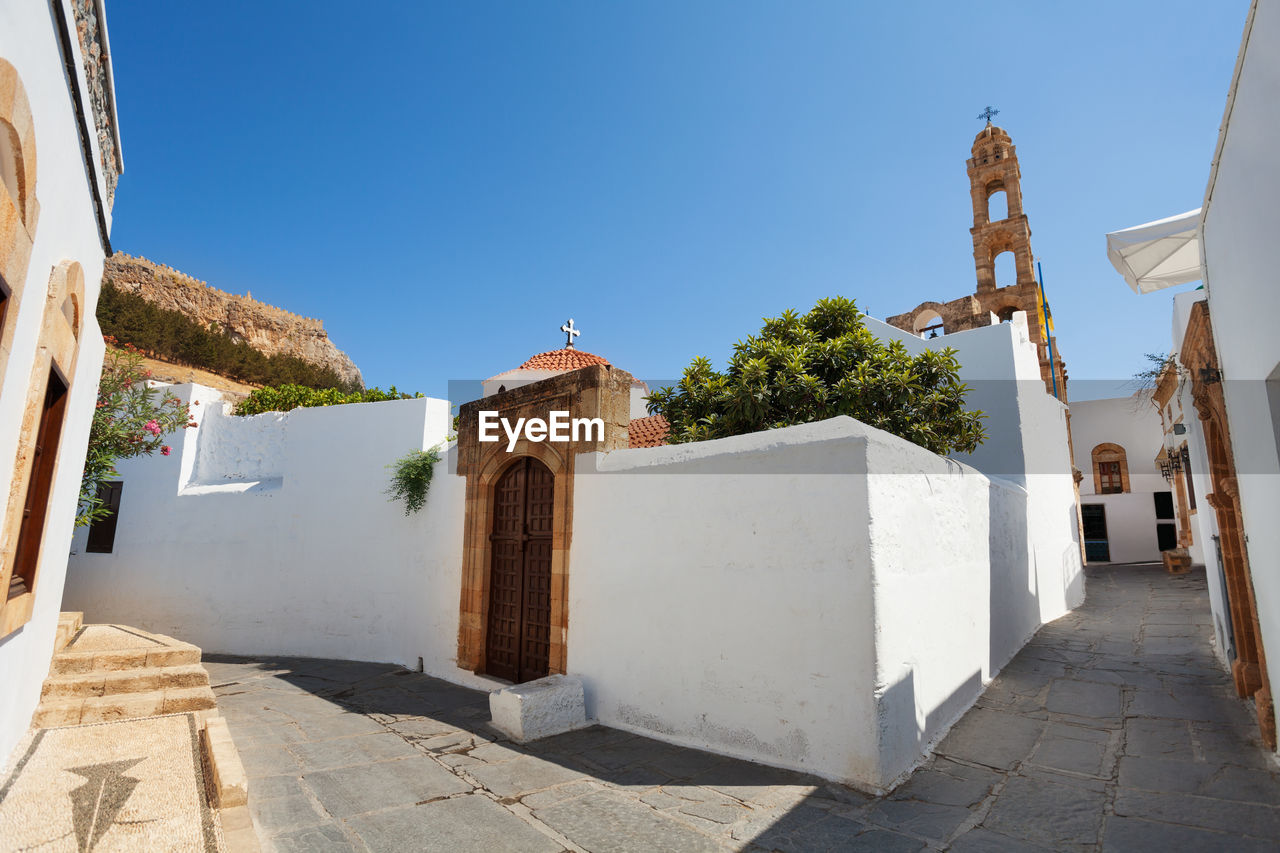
(1158, 254)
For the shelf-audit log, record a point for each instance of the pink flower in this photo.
(164, 450)
(152, 427)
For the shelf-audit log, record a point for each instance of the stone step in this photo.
(68, 662)
(76, 710)
(114, 682)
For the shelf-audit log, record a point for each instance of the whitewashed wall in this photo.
(762, 596)
(66, 231)
(999, 365)
(719, 594)
(807, 623)
(1241, 256)
(273, 535)
(1133, 423)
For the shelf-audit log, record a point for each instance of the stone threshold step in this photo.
(72, 662)
(77, 710)
(112, 682)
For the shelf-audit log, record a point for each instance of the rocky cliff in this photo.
(266, 328)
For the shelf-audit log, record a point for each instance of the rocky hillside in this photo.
(271, 330)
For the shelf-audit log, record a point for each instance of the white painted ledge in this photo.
(538, 709)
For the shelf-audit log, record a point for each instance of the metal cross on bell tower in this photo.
(570, 333)
(989, 113)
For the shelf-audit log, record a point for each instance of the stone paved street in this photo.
(1114, 729)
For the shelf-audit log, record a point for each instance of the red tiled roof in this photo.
(562, 359)
(648, 432)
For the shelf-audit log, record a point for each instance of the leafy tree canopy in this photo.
(800, 369)
(283, 398)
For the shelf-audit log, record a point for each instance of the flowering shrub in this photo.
(130, 420)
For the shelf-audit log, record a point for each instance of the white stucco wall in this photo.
(746, 629)
(1131, 526)
(282, 541)
(787, 629)
(66, 231)
(1000, 366)
(1241, 256)
(760, 596)
(1133, 423)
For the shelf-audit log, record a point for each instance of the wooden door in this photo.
(518, 641)
(44, 457)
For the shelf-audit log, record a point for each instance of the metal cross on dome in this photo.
(989, 113)
(570, 333)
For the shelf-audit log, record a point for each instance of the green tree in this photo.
(130, 420)
(283, 398)
(800, 369)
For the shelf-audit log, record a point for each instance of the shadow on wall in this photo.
(1073, 580)
(899, 715)
(1009, 594)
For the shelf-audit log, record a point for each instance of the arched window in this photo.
(1110, 470)
(1005, 314)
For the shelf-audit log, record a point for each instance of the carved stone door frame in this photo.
(595, 391)
(1249, 670)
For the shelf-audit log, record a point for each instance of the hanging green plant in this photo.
(411, 477)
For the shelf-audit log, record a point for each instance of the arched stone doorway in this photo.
(518, 641)
(529, 484)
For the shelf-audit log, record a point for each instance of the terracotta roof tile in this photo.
(648, 432)
(563, 359)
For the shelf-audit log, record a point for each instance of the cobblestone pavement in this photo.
(1114, 729)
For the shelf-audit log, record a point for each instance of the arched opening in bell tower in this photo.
(929, 324)
(1006, 269)
(997, 205)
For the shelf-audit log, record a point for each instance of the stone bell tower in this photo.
(993, 168)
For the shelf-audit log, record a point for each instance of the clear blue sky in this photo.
(445, 183)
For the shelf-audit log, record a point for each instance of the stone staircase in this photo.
(112, 672)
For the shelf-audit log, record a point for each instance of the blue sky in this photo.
(445, 184)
